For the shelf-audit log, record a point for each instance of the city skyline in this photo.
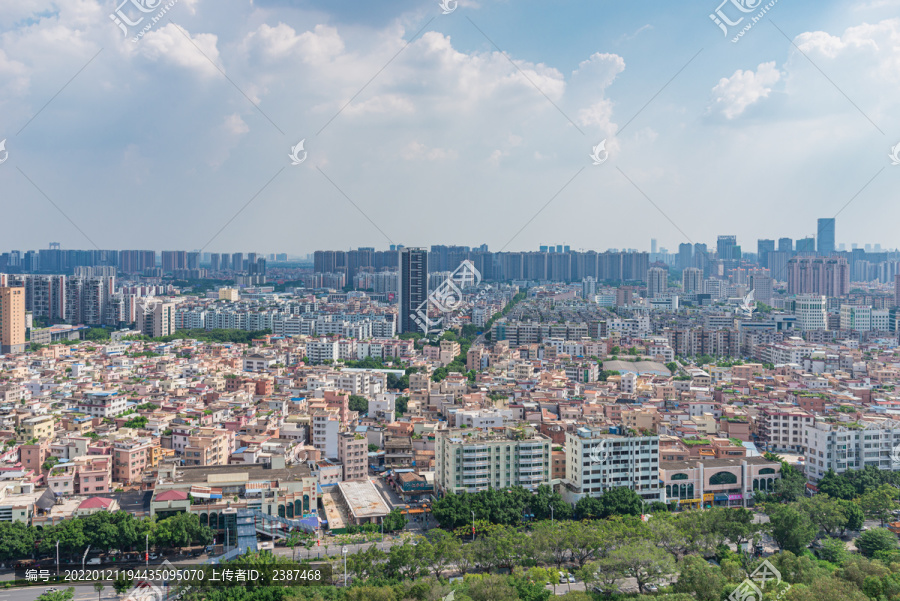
(226, 126)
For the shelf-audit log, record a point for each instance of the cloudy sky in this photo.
(423, 128)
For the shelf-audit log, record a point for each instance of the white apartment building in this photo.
(845, 446)
(597, 461)
(472, 461)
(857, 319)
(482, 418)
(326, 427)
(318, 351)
(102, 404)
(811, 312)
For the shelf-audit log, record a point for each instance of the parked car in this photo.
(154, 556)
(52, 589)
(652, 588)
(94, 561)
(562, 578)
(570, 577)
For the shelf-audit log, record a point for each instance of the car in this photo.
(570, 577)
(51, 589)
(154, 556)
(652, 588)
(94, 561)
(562, 578)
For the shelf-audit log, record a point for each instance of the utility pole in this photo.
(147, 550)
(57, 559)
(83, 557)
(344, 552)
(551, 514)
(473, 526)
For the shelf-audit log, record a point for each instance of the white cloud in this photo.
(170, 44)
(417, 151)
(732, 95)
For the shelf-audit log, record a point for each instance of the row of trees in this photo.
(516, 505)
(103, 531)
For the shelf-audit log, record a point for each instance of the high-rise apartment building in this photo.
(657, 282)
(353, 453)
(763, 248)
(818, 275)
(413, 285)
(691, 280)
(725, 247)
(685, 255)
(810, 310)
(761, 284)
(12, 320)
(785, 245)
(806, 246)
(826, 236)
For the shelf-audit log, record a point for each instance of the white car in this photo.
(652, 588)
(52, 589)
(570, 577)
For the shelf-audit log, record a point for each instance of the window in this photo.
(722, 478)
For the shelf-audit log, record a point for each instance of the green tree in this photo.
(394, 521)
(16, 540)
(358, 403)
(620, 501)
(853, 513)
(836, 487)
(63, 595)
(825, 512)
(879, 503)
(545, 498)
(99, 588)
(834, 550)
(181, 530)
(699, 578)
(876, 539)
(792, 529)
(791, 486)
(121, 584)
(439, 550)
(645, 563)
(492, 588)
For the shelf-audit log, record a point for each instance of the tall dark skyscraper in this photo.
(413, 284)
(826, 236)
(785, 245)
(725, 246)
(763, 248)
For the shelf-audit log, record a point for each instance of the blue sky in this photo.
(452, 142)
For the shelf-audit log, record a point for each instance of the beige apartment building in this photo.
(12, 320)
(208, 446)
(40, 427)
(353, 452)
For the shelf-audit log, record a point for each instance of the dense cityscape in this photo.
(449, 301)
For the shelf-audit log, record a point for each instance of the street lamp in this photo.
(382, 533)
(344, 552)
(57, 559)
(147, 550)
(551, 514)
(83, 557)
(473, 525)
